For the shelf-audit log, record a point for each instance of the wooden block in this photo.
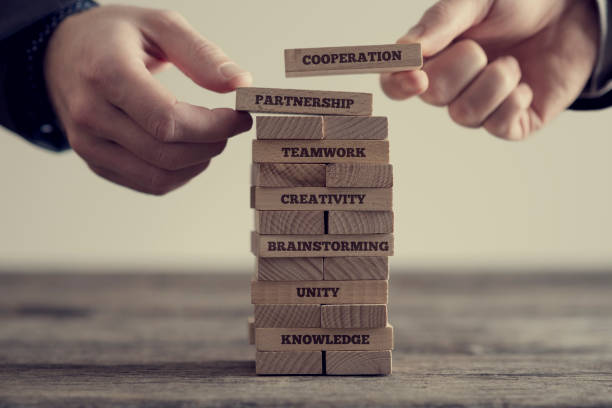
(283, 246)
(288, 339)
(290, 222)
(321, 198)
(288, 362)
(355, 127)
(288, 175)
(321, 151)
(322, 127)
(358, 362)
(319, 292)
(359, 175)
(360, 222)
(251, 328)
(274, 100)
(352, 316)
(356, 268)
(279, 315)
(352, 60)
(289, 127)
(289, 269)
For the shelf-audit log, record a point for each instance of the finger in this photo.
(402, 85)
(116, 178)
(453, 70)
(112, 124)
(200, 59)
(125, 182)
(128, 85)
(129, 170)
(486, 93)
(512, 120)
(445, 21)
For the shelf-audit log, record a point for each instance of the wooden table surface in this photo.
(179, 340)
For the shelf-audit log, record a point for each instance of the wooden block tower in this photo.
(322, 195)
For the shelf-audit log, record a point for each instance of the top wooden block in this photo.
(352, 60)
(272, 100)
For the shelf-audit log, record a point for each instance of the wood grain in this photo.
(362, 59)
(319, 292)
(296, 339)
(358, 362)
(290, 222)
(274, 100)
(275, 315)
(321, 198)
(320, 151)
(355, 127)
(288, 363)
(356, 268)
(353, 316)
(288, 175)
(289, 127)
(528, 337)
(283, 246)
(251, 329)
(359, 175)
(289, 269)
(360, 222)
(321, 175)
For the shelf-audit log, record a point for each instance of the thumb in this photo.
(200, 59)
(445, 21)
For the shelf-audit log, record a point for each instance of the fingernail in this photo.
(413, 34)
(229, 70)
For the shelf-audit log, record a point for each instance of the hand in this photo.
(508, 65)
(118, 118)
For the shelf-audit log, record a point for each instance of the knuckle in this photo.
(506, 71)
(78, 145)
(162, 125)
(514, 101)
(203, 48)
(159, 182)
(167, 158)
(463, 114)
(436, 94)
(101, 70)
(439, 11)
(84, 148)
(472, 50)
(166, 19)
(80, 112)
(498, 128)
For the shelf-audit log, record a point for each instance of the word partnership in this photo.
(322, 195)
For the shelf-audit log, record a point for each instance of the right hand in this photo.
(507, 65)
(117, 117)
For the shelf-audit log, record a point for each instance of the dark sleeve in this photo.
(16, 15)
(25, 29)
(598, 92)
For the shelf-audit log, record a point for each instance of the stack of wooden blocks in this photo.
(322, 194)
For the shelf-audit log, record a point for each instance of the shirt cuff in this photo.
(29, 104)
(597, 93)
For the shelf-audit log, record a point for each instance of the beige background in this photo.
(462, 198)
